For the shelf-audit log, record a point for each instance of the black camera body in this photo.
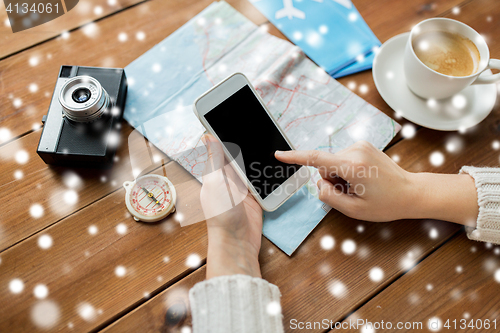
(82, 126)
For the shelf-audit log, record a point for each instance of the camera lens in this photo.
(83, 99)
(81, 95)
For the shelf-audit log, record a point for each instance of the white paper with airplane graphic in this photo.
(315, 111)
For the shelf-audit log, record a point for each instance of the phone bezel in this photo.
(219, 93)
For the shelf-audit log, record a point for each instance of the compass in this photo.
(150, 198)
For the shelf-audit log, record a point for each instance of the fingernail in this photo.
(279, 153)
(320, 183)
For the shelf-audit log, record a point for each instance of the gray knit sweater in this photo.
(242, 304)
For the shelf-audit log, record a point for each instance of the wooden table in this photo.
(74, 247)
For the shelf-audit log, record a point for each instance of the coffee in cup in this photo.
(445, 56)
(447, 53)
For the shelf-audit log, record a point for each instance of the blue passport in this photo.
(331, 32)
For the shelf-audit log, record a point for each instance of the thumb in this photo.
(334, 196)
(215, 154)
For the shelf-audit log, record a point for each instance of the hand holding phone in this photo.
(234, 113)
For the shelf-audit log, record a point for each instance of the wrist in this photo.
(228, 255)
(446, 197)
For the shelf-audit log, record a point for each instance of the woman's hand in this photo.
(364, 183)
(234, 218)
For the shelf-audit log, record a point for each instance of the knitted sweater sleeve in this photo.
(235, 304)
(488, 197)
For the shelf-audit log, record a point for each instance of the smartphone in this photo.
(233, 112)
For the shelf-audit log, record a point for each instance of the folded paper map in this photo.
(315, 111)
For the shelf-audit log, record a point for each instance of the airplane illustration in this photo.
(290, 11)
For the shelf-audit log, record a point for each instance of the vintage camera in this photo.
(83, 123)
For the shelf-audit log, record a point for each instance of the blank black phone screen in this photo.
(242, 121)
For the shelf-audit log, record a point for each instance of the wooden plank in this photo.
(21, 109)
(85, 11)
(35, 195)
(168, 311)
(457, 282)
(99, 262)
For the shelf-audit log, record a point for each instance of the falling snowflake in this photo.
(436, 158)
(432, 103)
(86, 311)
(33, 87)
(408, 131)
(337, 289)
(273, 308)
(455, 10)
(36, 210)
(166, 259)
(122, 37)
(41, 291)
(70, 197)
(5, 134)
(434, 324)
(459, 269)
(45, 314)
(396, 158)
(360, 228)
(327, 242)
(363, 88)
(121, 228)
(433, 234)
(156, 68)
(193, 260)
(186, 329)
(98, 10)
(72, 180)
(348, 246)
(91, 30)
(120, 271)
(429, 287)
(497, 275)
(140, 35)
(18, 174)
(459, 101)
(17, 103)
(22, 157)
(376, 274)
(93, 230)
(297, 35)
(16, 286)
(351, 85)
(33, 61)
(45, 242)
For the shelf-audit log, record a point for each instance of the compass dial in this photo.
(150, 197)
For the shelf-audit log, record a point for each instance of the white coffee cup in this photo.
(426, 82)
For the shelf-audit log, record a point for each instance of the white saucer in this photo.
(466, 109)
